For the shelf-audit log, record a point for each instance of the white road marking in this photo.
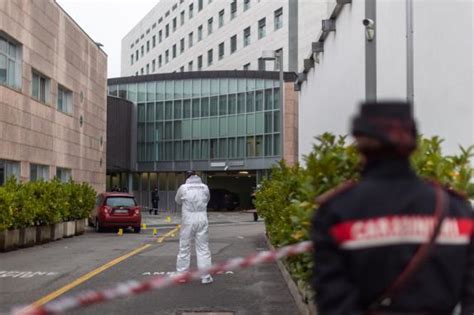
(25, 274)
(169, 273)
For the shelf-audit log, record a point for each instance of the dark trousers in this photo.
(155, 206)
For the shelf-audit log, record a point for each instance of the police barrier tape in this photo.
(133, 287)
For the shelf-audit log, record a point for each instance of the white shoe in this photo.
(207, 280)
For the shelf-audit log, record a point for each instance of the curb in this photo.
(305, 306)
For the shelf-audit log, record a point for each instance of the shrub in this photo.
(43, 203)
(286, 199)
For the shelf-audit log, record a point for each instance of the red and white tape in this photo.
(133, 287)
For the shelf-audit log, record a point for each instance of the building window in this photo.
(9, 169)
(10, 63)
(181, 69)
(261, 64)
(247, 66)
(221, 18)
(142, 51)
(246, 5)
(209, 57)
(278, 53)
(142, 72)
(191, 11)
(233, 9)
(39, 172)
(209, 26)
(181, 45)
(233, 44)
(153, 66)
(40, 87)
(160, 36)
(278, 18)
(199, 34)
(199, 65)
(175, 24)
(147, 46)
(261, 28)
(167, 56)
(199, 5)
(131, 61)
(147, 68)
(167, 30)
(174, 51)
(64, 100)
(221, 51)
(153, 41)
(181, 17)
(190, 66)
(247, 36)
(160, 61)
(190, 39)
(136, 55)
(63, 174)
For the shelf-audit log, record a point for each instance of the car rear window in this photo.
(120, 202)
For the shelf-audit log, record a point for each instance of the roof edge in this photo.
(272, 75)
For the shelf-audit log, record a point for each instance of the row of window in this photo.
(200, 4)
(278, 23)
(37, 172)
(223, 105)
(212, 149)
(214, 127)
(192, 88)
(10, 75)
(210, 53)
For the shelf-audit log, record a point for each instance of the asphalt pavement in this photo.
(45, 270)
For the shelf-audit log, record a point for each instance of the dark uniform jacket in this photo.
(365, 235)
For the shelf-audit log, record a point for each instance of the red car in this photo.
(116, 210)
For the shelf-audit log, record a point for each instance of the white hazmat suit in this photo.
(193, 197)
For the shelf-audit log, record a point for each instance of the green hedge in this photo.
(286, 200)
(41, 203)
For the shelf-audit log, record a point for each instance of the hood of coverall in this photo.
(194, 198)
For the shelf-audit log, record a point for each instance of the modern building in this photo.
(228, 125)
(419, 51)
(197, 35)
(52, 96)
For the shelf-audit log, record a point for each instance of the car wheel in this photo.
(137, 230)
(98, 228)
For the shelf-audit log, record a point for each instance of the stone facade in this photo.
(34, 132)
(290, 124)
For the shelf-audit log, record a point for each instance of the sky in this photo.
(107, 22)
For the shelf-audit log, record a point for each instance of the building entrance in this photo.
(231, 190)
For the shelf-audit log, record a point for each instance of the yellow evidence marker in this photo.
(143, 226)
(168, 219)
(120, 232)
(155, 232)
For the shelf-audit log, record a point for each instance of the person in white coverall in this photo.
(193, 197)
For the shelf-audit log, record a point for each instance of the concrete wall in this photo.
(33, 132)
(336, 84)
(442, 72)
(307, 19)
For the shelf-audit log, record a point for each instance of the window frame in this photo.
(247, 36)
(13, 61)
(278, 19)
(67, 96)
(46, 99)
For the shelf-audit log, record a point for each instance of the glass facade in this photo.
(205, 119)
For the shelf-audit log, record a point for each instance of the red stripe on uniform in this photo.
(394, 230)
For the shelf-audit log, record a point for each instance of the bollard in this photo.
(143, 226)
(168, 219)
(120, 232)
(155, 232)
